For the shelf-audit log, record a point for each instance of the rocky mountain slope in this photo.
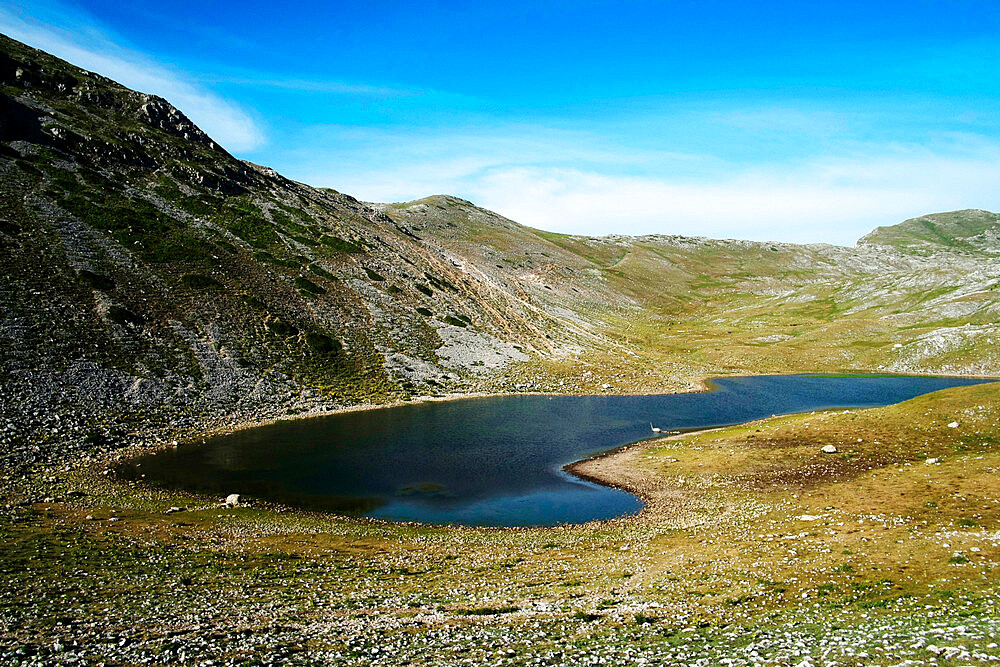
(154, 283)
(693, 305)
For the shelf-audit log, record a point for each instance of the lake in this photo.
(486, 461)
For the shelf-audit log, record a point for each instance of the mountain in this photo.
(154, 285)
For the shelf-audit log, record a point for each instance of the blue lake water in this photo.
(486, 461)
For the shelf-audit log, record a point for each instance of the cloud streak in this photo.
(315, 86)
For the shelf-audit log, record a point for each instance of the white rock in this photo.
(808, 517)
(953, 425)
(931, 461)
(829, 449)
(233, 499)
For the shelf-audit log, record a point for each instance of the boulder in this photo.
(232, 500)
(829, 449)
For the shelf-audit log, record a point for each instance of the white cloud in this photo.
(567, 182)
(77, 41)
(396, 164)
(833, 201)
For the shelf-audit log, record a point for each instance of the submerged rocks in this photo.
(829, 449)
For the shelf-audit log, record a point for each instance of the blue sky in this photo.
(796, 121)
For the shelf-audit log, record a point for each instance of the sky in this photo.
(786, 121)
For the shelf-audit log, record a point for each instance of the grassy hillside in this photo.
(971, 231)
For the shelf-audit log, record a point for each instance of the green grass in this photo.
(281, 327)
(322, 343)
(247, 221)
(340, 245)
(486, 611)
(136, 224)
(323, 273)
(307, 285)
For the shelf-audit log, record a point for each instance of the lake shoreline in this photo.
(610, 468)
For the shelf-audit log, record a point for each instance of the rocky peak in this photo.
(160, 114)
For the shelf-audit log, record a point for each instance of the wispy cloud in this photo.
(316, 86)
(786, 120)
(75, 37)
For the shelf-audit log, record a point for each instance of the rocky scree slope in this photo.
(150, 278)
(154, 283)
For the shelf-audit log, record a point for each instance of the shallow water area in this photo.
(487, 461)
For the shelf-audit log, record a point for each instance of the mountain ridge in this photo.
(148, 267)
